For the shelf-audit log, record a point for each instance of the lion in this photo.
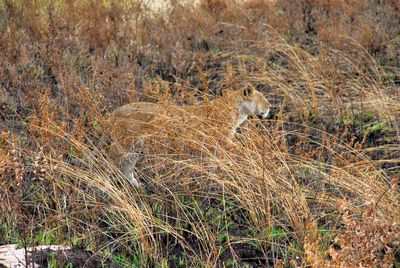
(137, 120)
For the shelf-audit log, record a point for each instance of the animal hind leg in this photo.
(128, 164)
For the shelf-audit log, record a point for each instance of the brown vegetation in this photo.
(315, 185)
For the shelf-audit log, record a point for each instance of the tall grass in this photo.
(285, 191)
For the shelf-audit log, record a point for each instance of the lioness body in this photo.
(221, 116)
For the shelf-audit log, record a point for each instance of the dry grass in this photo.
(286, 191)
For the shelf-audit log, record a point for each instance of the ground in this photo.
(289, 191)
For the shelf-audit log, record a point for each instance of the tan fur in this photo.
(136, 120)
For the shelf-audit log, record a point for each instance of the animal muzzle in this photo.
(263, 115)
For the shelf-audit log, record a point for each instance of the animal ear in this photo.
(248, 90)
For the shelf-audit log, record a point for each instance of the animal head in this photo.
(253, 102)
